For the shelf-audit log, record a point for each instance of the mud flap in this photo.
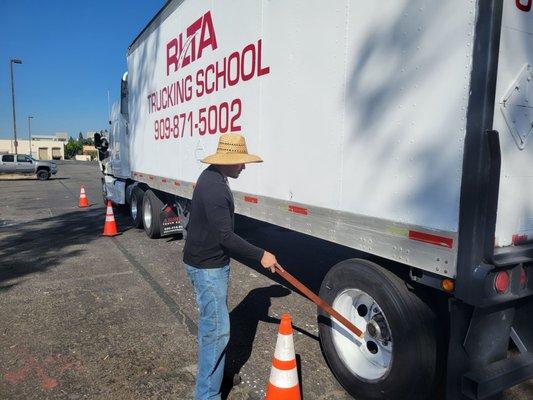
(170, 221)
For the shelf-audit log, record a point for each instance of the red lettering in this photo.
(524, 5)
(181, 90)
(150, 104)
(233, 56)
(191, 32)
(221, 74)
(207, 28)
(260, 70)
(209, 89)
(188, 88)
(250, 75)
(181, 54)
(164, 98)
(172, 55)
(200, 74)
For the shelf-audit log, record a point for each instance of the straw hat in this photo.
(231, 150)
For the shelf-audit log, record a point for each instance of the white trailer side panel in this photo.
(407, 87)
(362, 111)
(513, 119)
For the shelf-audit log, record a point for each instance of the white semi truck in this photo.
(398, 128)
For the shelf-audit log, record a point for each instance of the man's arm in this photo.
(219, 217)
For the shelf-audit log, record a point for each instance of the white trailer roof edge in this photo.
(169, 7)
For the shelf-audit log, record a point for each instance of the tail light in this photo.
(501, 282)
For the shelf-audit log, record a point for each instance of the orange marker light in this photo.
(448, 285)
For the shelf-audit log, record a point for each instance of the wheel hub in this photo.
(377, 328)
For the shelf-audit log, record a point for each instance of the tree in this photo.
(80, 138)
(72, 148)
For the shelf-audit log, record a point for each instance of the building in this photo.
(43, 147)
(90, 151)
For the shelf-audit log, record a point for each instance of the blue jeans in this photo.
(211, 287)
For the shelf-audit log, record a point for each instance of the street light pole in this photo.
(11, 62)
(29, 130)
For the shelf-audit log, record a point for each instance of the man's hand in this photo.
(269, 261)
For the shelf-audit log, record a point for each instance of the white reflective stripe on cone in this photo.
(82, 191)
(284, 348)
(283, 379)
(109, 218)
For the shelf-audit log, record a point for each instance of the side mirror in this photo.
(97, 140)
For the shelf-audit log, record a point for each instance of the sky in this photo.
(73, 52)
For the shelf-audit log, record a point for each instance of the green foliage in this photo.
(73, 147)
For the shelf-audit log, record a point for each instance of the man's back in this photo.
(210, 236)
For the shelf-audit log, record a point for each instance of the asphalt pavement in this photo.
(86, 316)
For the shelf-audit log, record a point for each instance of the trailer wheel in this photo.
(136, 202)
(151, 213)
(397, 357)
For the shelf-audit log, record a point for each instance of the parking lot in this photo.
(87, 316)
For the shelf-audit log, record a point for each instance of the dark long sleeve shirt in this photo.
(210, 236)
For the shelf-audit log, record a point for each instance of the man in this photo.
(210, 241)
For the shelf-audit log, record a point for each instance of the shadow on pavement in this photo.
(31, 178)
(38, 245)
(244, 319)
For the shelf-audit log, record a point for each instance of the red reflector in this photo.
(433, 239)
(519, 239)
(251, 199)
(501, 282)
(151, 178)
(164, 180)
(298, 210)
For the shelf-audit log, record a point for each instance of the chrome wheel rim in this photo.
(134, 208)
(370, 357)
(147, 214)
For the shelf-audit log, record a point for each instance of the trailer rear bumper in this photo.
(498, 376)
(480, 364)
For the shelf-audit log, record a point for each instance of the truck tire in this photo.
(43, 174)
(136, 202)
(397, 357)
(151, 213)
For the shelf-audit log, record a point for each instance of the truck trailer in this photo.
(400, 129)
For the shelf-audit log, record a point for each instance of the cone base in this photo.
(276, 393)
(110, 234)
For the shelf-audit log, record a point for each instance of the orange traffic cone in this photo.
(283, 383)
(83, 199)
(110, 227)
